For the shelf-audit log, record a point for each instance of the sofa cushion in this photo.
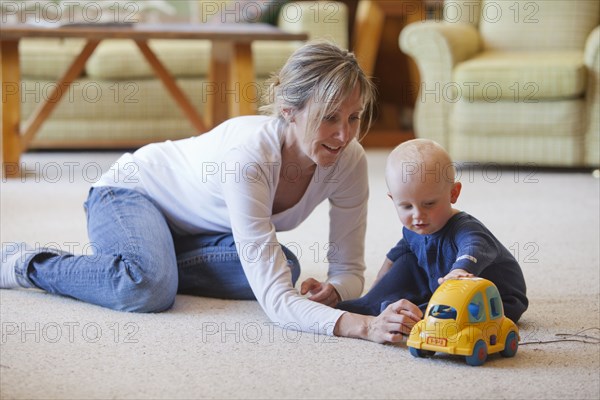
(47, 58)
(520, 76)
(270, 56)
(537, 25)
(319, 19)
(322, 20)
(122, 59)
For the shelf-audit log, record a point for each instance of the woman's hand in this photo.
(323, 293)
(391, 325)
(394, 322)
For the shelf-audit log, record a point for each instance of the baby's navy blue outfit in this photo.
(419, 260)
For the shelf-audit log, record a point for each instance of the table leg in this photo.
(242, 74)
(11, 108)
(231, 89)
(368, 28)
(43, 111)
(166, 78)
(217, 89)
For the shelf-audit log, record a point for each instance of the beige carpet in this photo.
(58, 348)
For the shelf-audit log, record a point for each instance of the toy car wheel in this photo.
(511, 346)
(479, 354)
(420, 352)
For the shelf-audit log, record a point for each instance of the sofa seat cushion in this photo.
(122, 59)
(47, 58)
(520, 76)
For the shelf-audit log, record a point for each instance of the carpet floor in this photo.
(58, 348)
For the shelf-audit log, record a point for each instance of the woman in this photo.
(200, 215)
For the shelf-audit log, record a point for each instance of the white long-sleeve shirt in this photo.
(225, 181)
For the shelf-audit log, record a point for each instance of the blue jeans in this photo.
(404, 280)
(138, 264)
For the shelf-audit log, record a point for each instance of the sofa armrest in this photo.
(436, 48)
(319, 19)
(592, 50)
(443, 44)
(591, 59)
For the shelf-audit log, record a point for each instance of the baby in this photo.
(439, 242)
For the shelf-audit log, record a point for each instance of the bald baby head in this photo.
(420, 179)
(419, 160)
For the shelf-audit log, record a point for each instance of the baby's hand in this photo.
(456, 273)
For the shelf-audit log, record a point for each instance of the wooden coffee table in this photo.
(231, 62)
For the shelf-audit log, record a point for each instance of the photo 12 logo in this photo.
(254, 332)
(220, 11)
(492, 12)
(69, 332)
(70, 12)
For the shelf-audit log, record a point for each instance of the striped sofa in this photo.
(119, 102)
(510, 81)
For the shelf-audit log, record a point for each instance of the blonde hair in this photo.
(322, 72)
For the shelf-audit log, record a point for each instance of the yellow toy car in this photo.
(465, 317)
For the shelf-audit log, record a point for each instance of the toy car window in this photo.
(476, 308)
(442, 311)
(494, 307)
(495, 302)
